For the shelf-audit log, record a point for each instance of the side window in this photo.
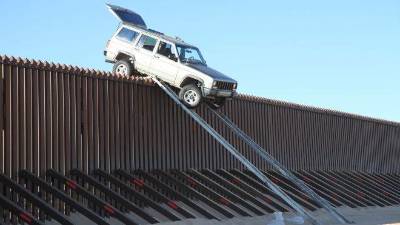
(147, 42)
(127, 35)
(166, 50)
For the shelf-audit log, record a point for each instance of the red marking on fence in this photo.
(276, 181)
(235, 181)
(71, 184)
(191, 182)
(109, 209)
(26, 217)
(268, 200)
(224, 201)
(172, 204)
(360, 194)
(138, 182)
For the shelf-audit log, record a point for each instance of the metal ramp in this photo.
(263, 154)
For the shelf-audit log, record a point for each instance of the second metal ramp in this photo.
(279, 167)
(237, 154)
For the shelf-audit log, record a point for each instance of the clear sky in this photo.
(341, 54)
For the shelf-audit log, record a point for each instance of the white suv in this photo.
(134, 47)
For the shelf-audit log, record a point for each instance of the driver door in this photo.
(165, 62)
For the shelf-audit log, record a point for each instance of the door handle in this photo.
(156, 56)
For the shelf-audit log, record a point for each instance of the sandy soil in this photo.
(360, 216)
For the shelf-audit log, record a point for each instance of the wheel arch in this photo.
(190, 80)
(125, 56)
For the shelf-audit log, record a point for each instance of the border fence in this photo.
(61, 117)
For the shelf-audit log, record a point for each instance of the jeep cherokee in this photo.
(134, 47)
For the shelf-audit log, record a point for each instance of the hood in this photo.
(211, 72)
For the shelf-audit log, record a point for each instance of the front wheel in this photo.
(123, 68)
(216, 103)
(190, 95)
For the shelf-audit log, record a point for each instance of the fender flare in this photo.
(191, 77)
(131, 56)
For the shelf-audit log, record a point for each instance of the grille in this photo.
(225, 85)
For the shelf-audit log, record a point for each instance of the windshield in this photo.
(190, 54)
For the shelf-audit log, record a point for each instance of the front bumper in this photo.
(211, 92)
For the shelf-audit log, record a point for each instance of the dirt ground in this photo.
(360, 216)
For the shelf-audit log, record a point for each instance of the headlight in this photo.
(235, 86)
(214, 85)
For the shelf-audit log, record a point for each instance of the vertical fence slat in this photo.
(14, 123)
(67, 134)
(85, 122)
(107, 122)
(131, 119)
(117, 124)
(29, 118)
(42, 124)
(101, 125)
(49, 120)
(79, 122)
(96, 111)
(55, 122)
(72, 164)
(61, 123)
(2, 120)
(7, 132)
(111, 119)
(89, 125)
(138, 126)
(21, 118)
(36, 134)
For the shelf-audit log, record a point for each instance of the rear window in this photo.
(127, 35)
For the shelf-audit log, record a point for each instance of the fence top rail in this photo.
(73, 70)
(98, 74)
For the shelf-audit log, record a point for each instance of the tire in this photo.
(190, 95)
(216, 103)
(123, 68)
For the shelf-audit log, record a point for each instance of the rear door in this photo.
(145, 48)
(127, 16)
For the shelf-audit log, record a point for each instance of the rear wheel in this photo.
(216, 103)
(190, 95)
(123, 68)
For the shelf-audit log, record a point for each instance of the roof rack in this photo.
(154, 31)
